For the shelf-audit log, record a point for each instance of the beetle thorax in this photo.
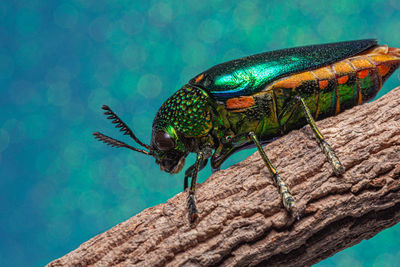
(187, 111)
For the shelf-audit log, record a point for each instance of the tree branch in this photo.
(242, 221)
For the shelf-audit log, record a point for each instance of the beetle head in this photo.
(182, 118)
(167, 148)
(185, 116)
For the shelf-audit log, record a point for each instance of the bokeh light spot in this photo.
(232, 54)
(97, 170)
(75, 154)
(98, 29)
(99, 97)
(116, 35)
(74, 112)
(384, 260)
(128, 84)
(210, 31)
(149, 85)
(134, 56)
(348, 260)
(394, 3)
(28, 55)
(59, 230)
(57, 74)
(43, 160)
(330, 28)
(105, 73)
(28, 21)
(68, 197)
(22, 92)
(345, 8)
(90, 202)
(4, 139)
(4, 8)
(36, 126)
(16, 130)
(132, 22)
(246, 14)
(160, 13)
(65, 16)
(195, 54)
(6, 66)
(126, 177)
(58, 93)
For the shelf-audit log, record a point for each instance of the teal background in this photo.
(61, 60)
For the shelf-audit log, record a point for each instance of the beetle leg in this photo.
(287, 198)
(191, 201)
(189, 172)
(326, 148)
(201, 161)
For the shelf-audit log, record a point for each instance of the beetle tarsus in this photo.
(332, 158)
(192, 209)
(287, 198)
(297, 215)
(326, 148)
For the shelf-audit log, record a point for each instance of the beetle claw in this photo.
(192, 209)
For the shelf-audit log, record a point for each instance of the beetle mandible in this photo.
(248, 101)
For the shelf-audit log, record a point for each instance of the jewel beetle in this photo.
(249, 101)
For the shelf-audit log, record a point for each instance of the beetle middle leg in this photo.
(326, 148)
(287, 198)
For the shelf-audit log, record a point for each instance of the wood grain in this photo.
(242, 221)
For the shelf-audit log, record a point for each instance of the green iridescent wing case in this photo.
(248, 75)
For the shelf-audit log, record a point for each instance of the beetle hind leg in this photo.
(287, 198)
(326, 148)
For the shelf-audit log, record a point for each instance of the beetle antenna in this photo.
(116, 143)
(122, 125)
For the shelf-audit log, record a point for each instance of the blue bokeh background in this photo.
(61, 60)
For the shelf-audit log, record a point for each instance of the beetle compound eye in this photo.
(164, 141)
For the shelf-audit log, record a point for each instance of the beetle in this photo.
(249, 101)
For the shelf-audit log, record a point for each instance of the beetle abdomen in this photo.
(334, 88)
(327, 91)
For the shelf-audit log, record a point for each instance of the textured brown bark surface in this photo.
(242, 221)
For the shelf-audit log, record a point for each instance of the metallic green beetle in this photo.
(249, 101)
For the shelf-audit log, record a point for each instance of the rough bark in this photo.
(242, 221)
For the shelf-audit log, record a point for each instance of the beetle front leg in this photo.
(191, 201)
(326, 148)
(189, 172)
(287, 198)
(201, 161)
